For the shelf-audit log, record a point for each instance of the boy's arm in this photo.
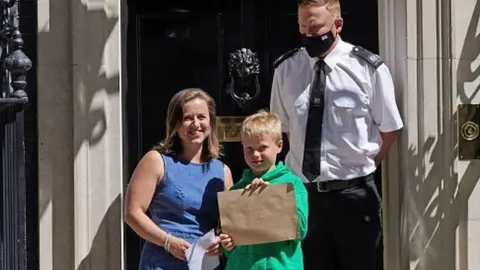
(227, 253)
(301, 196)
(227, 244)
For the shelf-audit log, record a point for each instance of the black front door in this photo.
(172, 45)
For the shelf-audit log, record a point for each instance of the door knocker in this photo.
(243, 68)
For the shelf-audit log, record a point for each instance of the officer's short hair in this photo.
(332, 5)
(262, 123)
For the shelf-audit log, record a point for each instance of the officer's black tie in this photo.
(313, 134)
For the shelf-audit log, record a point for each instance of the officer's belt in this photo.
(331, 185)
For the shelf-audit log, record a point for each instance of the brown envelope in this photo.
(263, 216)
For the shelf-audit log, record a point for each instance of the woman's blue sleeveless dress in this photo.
(184, 205)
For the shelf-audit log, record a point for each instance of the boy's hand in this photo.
(227, 241)
(256, 183)
(213, 249)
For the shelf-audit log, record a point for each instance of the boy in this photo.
(262, 141)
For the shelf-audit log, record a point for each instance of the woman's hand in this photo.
(256, 183)
(227, 241)
(214, 248)
(178, 246)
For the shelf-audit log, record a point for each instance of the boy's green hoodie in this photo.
(278, 255)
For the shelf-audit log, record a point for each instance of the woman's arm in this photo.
(228, 177)
(228, 183)
(140, 191)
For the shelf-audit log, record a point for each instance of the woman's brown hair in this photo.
(172, 145)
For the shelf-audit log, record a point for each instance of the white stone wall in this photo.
(80, 135)
(433, 221)
(466, 62)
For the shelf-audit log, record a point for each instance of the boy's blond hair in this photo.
(262, 123)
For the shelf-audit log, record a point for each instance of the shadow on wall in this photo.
(470, 51)
(437, 199)
(107, 243)
(92, 85)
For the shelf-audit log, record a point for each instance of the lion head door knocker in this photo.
(243, 68)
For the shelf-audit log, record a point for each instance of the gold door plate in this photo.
(468, 131)
(228, 128)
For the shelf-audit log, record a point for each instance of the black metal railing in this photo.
(14, 65)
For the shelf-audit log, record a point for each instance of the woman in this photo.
(177, 182)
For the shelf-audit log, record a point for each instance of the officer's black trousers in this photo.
(344, 229)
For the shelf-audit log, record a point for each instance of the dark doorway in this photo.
(172, 45)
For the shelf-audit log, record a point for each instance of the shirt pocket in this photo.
(349, 109)
(300, 104)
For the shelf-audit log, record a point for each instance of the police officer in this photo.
(337, 106)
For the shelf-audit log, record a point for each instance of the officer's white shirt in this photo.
(359, 104)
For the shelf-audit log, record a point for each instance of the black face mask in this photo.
(318, 45)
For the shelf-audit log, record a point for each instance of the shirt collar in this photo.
(332, 58)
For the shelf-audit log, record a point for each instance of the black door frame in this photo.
(134, 97)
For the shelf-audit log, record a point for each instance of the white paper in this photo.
(196, 254)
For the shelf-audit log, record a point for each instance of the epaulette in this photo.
(285, 56)
(372, 59)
